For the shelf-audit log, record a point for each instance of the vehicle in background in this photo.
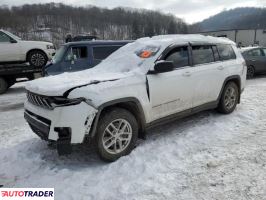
(15, 50)
(77, 56)
(12, 73)
(255, 58)
(143, 84)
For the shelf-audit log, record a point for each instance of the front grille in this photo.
(38, 100)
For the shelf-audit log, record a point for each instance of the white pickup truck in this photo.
(15, 50)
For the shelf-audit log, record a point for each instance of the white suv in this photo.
(15, 50)
(143, 84)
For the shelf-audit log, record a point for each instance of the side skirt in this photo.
(182, 114)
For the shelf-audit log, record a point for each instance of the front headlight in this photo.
(61, 101)
(50, 46)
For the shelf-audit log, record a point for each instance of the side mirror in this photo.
(164, 66)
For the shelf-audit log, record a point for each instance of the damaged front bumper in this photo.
(64, 125)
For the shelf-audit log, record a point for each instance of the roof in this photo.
(98, 42)
(164, 39)
(186, 38)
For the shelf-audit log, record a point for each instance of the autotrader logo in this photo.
(26, 193)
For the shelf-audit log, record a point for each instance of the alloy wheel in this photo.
(250, 72)
(117, 136)
(230, 98)
(37, 59)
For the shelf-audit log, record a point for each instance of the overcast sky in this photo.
(190, 10)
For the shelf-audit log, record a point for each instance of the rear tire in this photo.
(229, 98)
(250, 72)
(3, 85)
(116, 134)
(37, 58)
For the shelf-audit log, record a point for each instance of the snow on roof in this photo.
(184, 38)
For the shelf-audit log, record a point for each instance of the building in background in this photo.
(242, 37)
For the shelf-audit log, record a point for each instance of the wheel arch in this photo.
(237, 80)
(131, 104)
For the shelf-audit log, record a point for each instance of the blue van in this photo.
(77, 56)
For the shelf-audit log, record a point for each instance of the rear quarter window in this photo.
(226, 52)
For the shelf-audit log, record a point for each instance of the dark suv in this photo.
(76, 56)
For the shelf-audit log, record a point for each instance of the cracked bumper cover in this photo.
(48, 123)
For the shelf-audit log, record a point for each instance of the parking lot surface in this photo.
(207, 156)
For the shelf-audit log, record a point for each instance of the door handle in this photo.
(220, 67)
(186, 74)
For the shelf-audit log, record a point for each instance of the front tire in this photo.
(37, 58)
(117, 134)
(229, 98)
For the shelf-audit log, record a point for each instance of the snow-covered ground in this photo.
(207, 156)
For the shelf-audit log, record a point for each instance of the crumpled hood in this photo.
(58, 85)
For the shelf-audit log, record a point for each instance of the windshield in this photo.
(59, 55)
(12, 35)
(131, 57)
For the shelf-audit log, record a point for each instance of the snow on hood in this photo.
(58, 85)
(122, 63)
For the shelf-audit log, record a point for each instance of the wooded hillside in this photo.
(238, 18)
(54, 21)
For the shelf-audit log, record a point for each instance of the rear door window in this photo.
(202, 54)
(179, 56)
(226, 52)
(102, 52)
(255, 52)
